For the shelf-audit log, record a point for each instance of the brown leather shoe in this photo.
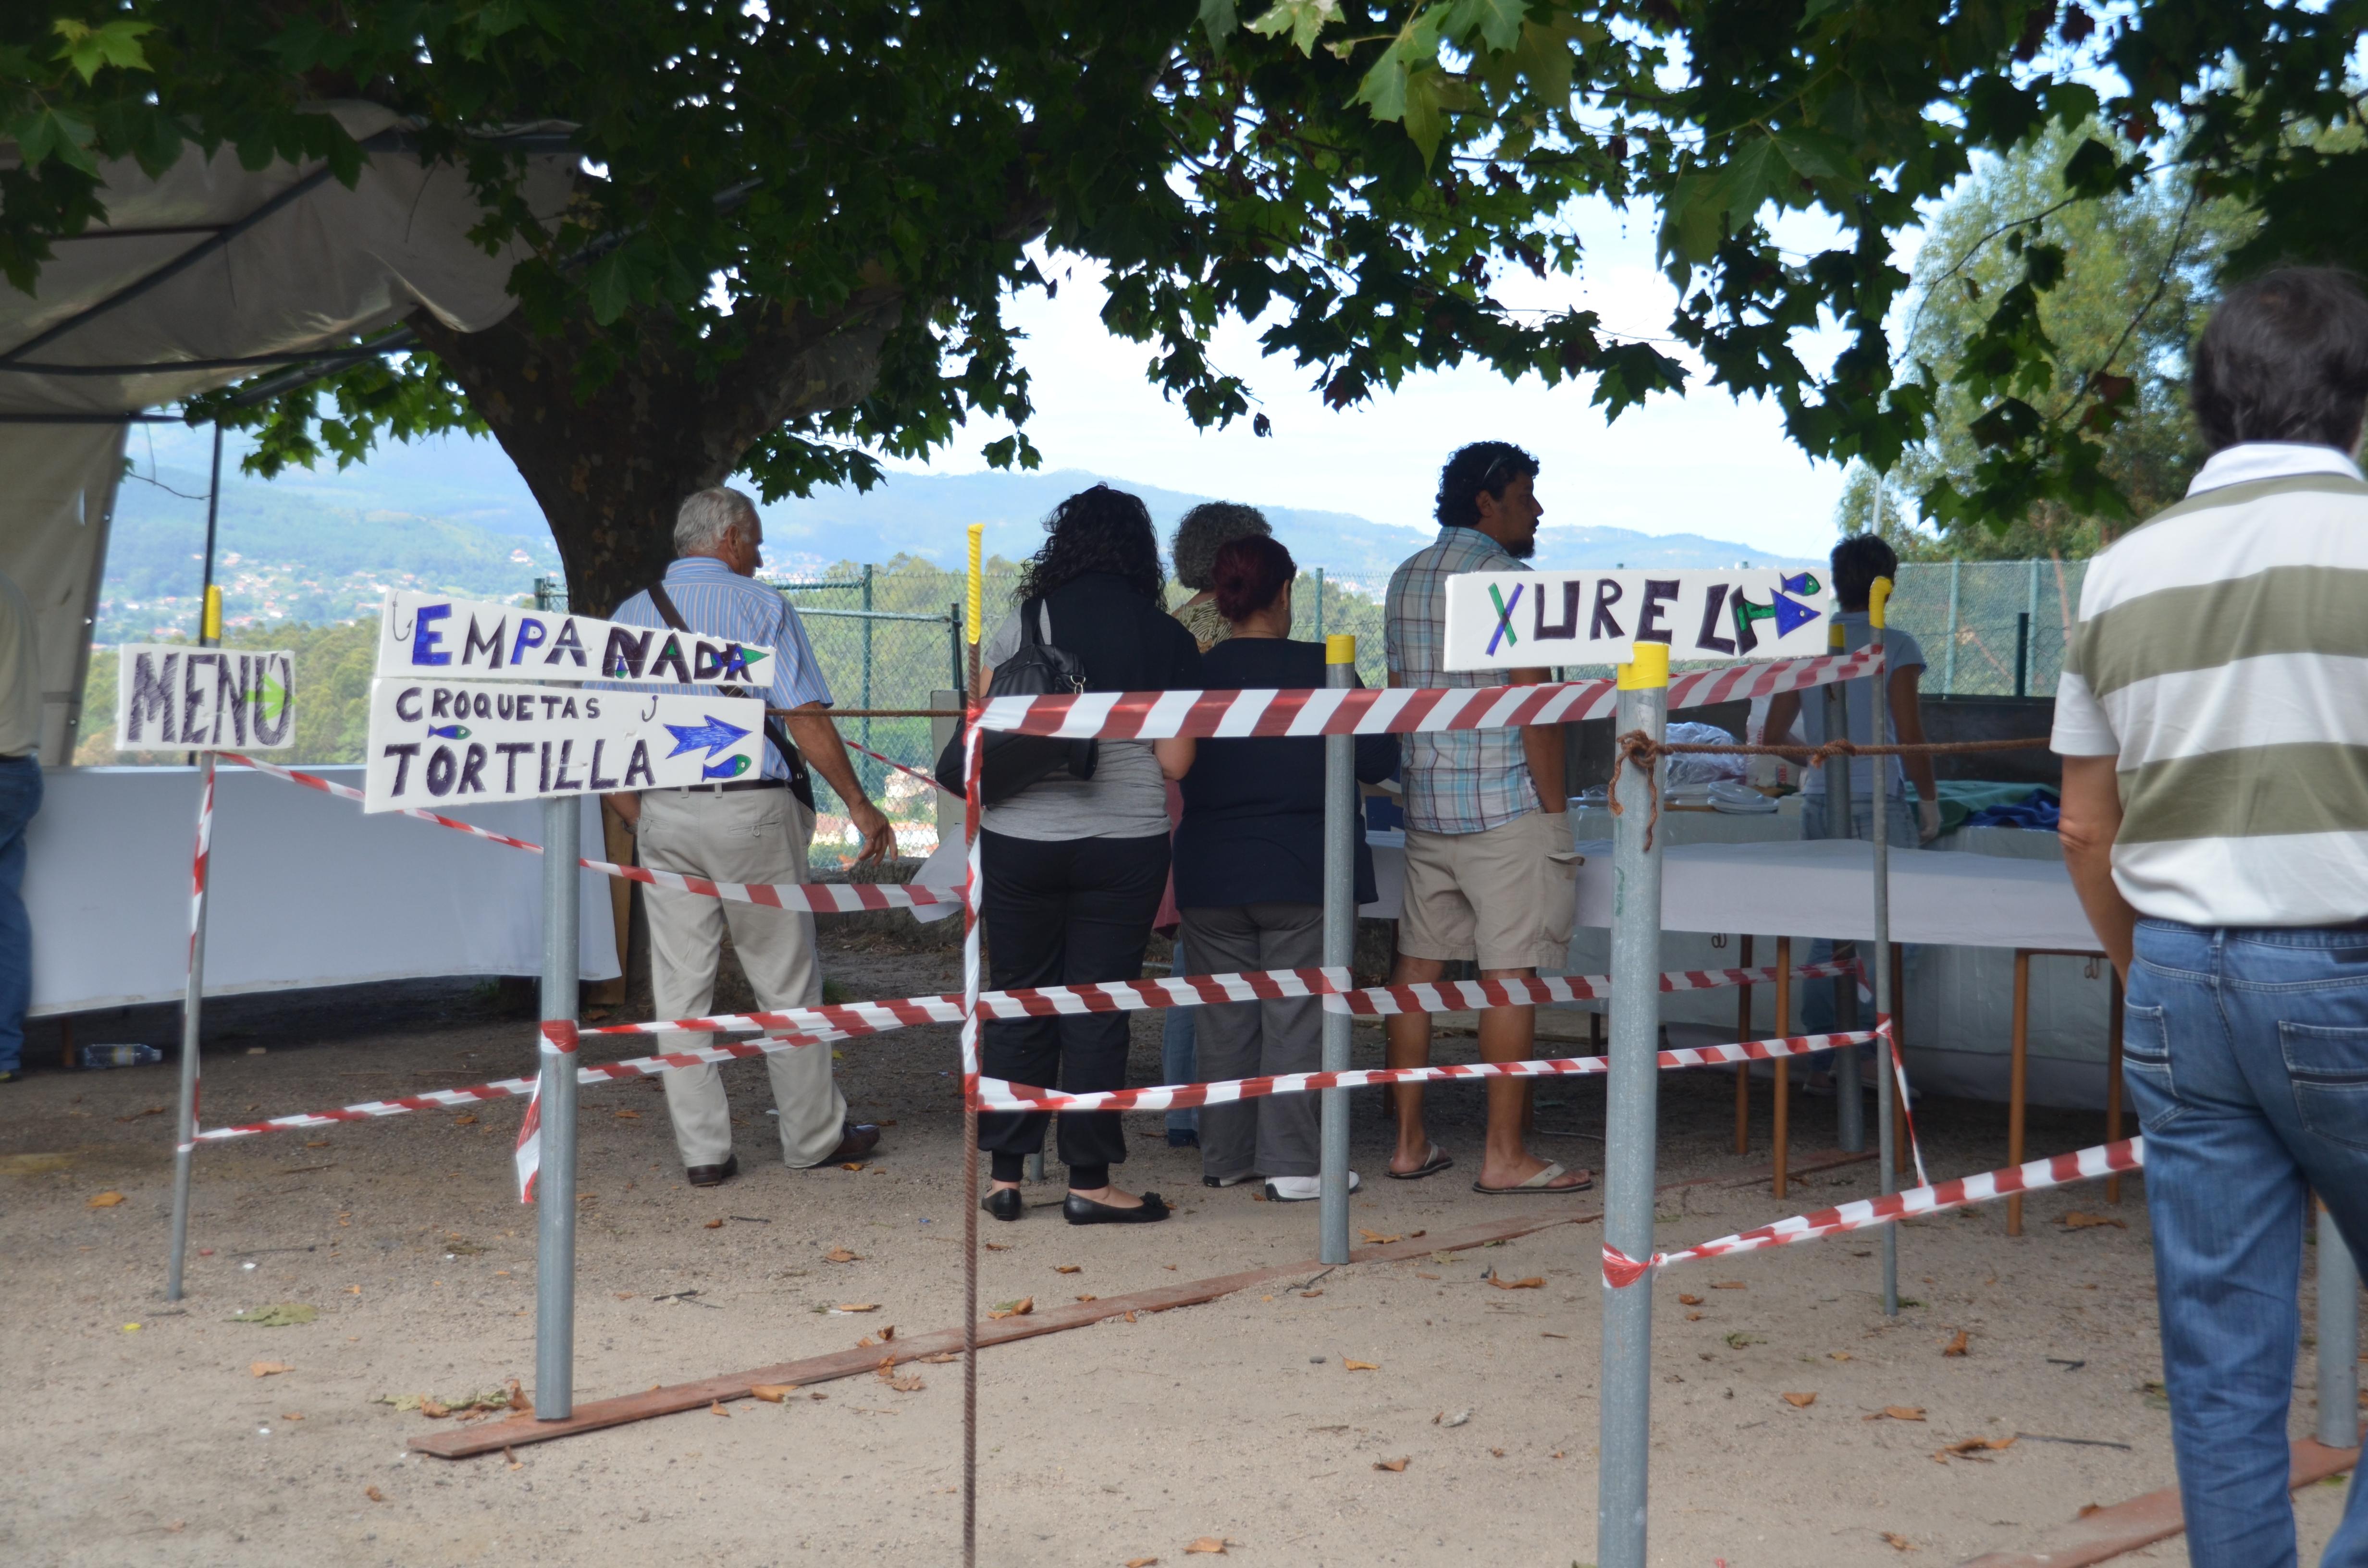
(859, 1140)
(713, 1175)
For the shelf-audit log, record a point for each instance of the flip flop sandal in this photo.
(1542, 1182)
(1435, 1161)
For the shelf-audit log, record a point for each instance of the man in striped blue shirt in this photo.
(743, 830)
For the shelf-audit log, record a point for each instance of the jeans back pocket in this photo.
(2146, 1065)
(2328, 1068)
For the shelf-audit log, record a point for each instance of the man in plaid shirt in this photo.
(1489, 868)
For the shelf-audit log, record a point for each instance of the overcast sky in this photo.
(1702, 463)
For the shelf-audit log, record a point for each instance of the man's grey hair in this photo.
(1206, 529)
(706, 517)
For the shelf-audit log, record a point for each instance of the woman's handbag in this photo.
(1011, 762)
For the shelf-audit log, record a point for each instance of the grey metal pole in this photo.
(1632, 1115)
(1885, 1087)
(192, 1001)
(1949, 657)
(1339, 949)
(1842, 822)
(555, 1221)
(2339, 1338)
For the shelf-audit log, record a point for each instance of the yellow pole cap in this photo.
(1648, 669)
(1340, 648)
(1833, 636)
(211, 624)
(977, 581)
(1877, 595)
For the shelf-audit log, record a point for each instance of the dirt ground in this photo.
(142, 1434)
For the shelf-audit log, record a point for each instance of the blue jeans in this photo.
(2245, 1053)
(1178, 1052)
(21, 797)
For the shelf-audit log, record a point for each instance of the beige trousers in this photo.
(752, 836)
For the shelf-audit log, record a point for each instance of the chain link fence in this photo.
(1989, 628)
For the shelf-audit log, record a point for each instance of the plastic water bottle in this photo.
(96, 1056)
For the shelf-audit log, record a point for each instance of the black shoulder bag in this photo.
(1009, 763)
(801, 781)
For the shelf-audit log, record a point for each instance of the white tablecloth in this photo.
(307, 891)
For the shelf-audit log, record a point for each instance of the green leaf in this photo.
(1818, 155)
(87, 50)
(1384, 89)
(45, 133)
(1304, 18)
(611, 286)
(1498, 21)
(1220, 20)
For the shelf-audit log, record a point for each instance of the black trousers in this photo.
(1063, 913)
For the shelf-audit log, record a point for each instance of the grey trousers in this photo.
(754, 836)
(1275, 1136)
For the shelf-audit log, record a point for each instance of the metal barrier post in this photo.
(200, 870)
(1339, 949)
(1842, 822)
(555, 1219)
(1877, 598)
(1632, 1087)
(2339, 1337)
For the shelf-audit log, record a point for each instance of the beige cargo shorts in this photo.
(1505, 897)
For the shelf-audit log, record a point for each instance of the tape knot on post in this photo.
(1619, 1270)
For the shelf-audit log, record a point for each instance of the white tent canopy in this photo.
(210, 274)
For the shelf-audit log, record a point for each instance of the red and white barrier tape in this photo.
(512, 1088)
(1457, 996)
(819, 898)
(1883, 1027)
(558, 1039)
(1366, 710)
(931, 779)
(2038, 1176)
(1000, 1094)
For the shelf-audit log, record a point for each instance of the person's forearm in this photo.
(2091, 820)
(1542, 746)
(818, 739)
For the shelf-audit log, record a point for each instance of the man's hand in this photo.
(628, 807)
(1928, 821)
(878, 833)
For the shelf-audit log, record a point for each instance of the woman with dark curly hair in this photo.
(1073, 868)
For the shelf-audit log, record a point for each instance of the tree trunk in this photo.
(610, 469)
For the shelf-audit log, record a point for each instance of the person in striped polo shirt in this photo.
(2213, 717)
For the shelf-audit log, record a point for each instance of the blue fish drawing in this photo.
(729, 767)
(449, 732)
(714, 735)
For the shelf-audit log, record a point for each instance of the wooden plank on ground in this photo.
(492, 1437)
(2125, 1527)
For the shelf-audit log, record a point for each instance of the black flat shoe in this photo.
(1004, 1203)
(1086, 1212)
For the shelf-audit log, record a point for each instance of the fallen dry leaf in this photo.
(291, 1415)
(1130, 1317)
(1800, 1401)
(1693, 1317)
(1208, 1543)
(464, 1120)
(715, 1407)
(1019, 1309)
(318, 1144)
(1971, 1448)
(1420, 1274)
(105, 1199)
(1897, 1413)
(1068, 1268)
(1360, 1365)
(1837, 1355)
(623, 1295)
(631, 1115)
(1498, 1452)
(1898, 1542)
(1729, 1285)
(852, 1166)
(840, 1255)
(1393, 1465)
(2076, 1220)
(858, 1307)
(1955, 1347)
(715, 1224)
(434, 1410)
(270, 1369)
(1685, 1300)
(910, 1384)
(1309, 1295)
(773, 1393)
(1090, 1298)
(1141, 1562)
(887, 1334)
(1375, 1238)
(941, 1358)
(997, 1246)
(374, 1493)
(2089, 1508)
(1535, 1282)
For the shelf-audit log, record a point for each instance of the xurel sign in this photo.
(177, 698)
(441, 638)
(1509, 621)
(454, 742)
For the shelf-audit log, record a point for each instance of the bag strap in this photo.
(663, 602)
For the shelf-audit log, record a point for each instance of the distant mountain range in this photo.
(453, 515)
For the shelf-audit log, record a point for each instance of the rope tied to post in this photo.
(1641, 751)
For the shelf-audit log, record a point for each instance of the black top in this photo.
(1253, 828)
(1125, 642)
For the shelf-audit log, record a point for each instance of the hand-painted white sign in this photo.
(437, 637)
(463, 742)
(1506, 620)
(172, 696)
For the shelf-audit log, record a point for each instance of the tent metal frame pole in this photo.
(1339, 951)
(1631, 1119)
